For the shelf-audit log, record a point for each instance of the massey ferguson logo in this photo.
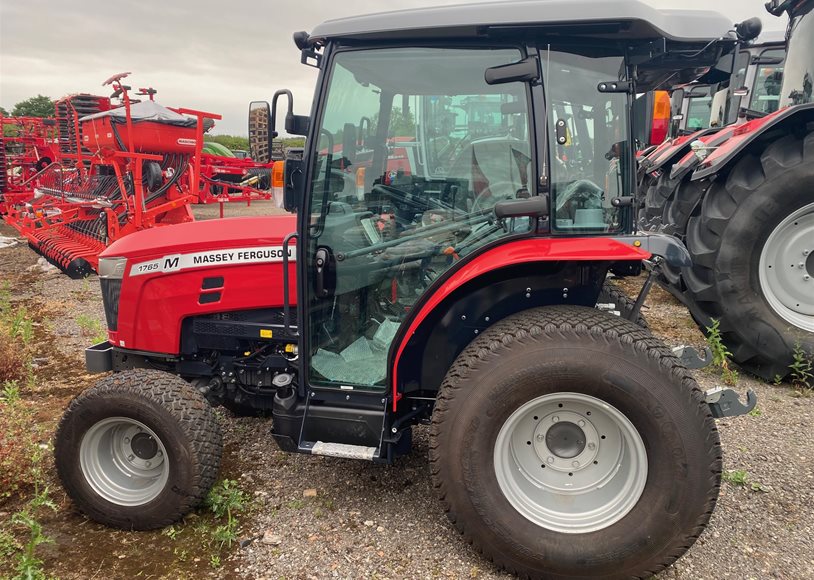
(175, 262)
(187, 142)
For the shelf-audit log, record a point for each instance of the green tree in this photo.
(39, 106)
(3, 112)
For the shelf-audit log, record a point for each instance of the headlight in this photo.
(111, 272)
(112, 268)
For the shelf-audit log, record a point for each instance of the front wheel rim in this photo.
(124, 461)
(787, 268)
(570, 463)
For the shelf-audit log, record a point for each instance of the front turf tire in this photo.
(138, 450)
(561, 354)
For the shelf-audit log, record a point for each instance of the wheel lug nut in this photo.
(575, 463)
(127, 439)
(592, 446)
(581, 423)
(131, 457)
(550, 460)
(540, 437)
(554, 419)
(160, 453)
(148, 464)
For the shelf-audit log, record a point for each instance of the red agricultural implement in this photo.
(27, 146)
(116, 169)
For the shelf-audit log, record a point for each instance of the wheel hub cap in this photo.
(570, 462)
(786, 269)
(565, 440)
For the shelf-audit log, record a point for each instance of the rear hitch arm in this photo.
(726, 403)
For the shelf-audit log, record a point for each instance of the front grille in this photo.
(111, 289)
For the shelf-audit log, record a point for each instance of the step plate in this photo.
(343, 450)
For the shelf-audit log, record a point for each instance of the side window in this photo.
(588, 140)
(768, 80)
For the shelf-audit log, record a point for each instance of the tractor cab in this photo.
(429, 145)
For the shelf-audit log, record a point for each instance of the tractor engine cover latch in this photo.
(726, 403)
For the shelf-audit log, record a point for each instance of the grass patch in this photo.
(740, 478)
(20, 451)
(226, 500)
(91, 327)
(802, 369)
(720, 354)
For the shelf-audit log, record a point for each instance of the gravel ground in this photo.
(371, 521)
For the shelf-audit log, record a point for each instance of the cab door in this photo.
(410, 153)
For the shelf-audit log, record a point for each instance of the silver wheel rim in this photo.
(787, 269)
(124, 461)
(570, 463)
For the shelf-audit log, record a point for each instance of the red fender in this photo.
(599, 249)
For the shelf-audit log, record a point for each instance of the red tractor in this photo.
(747, 87)
(565, 441)
(741, 199)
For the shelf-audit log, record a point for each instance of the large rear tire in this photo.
(567, 442)
(751, 243)
(138, 450)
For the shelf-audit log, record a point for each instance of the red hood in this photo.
(204, 235)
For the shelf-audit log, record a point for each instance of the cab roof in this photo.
(608, 19)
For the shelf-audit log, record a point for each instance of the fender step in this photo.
(343, 450)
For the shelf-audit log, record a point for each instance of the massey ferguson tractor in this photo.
(748, 87)
(458, 292)
(742, 199)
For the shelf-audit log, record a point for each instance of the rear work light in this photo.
(661, 117)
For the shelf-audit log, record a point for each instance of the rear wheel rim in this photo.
(570, 463)
(787, 268)
(124, 461)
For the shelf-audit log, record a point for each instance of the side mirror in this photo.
(259, 131)
(294, 124)
(294, 178)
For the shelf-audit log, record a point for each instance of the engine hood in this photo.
(206, 235)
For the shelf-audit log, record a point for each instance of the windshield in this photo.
(798, 71)
(588, 140)
(414, 150)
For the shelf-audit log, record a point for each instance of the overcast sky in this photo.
(210, 55)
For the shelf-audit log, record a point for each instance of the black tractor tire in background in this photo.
(173, 449)
(657, 190)
(612, 294)
(678, 209)
(573, 353)
(726, 237)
